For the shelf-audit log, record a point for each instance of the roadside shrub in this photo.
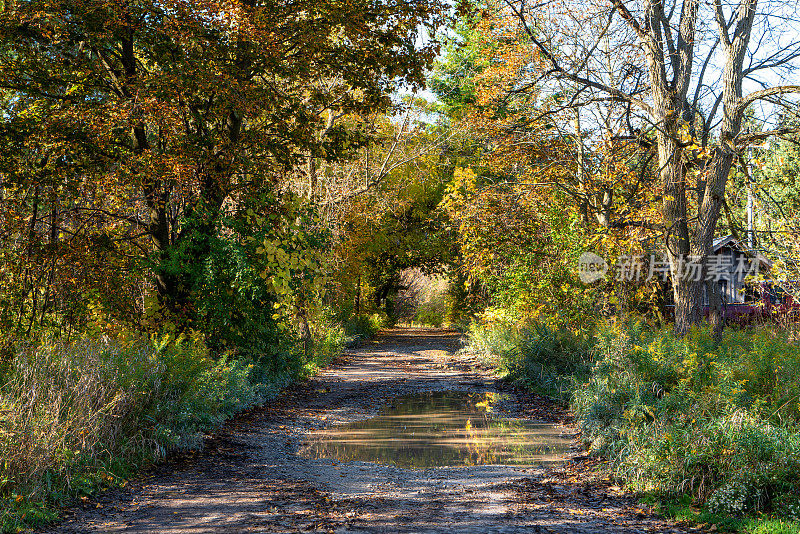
(362, 327)
(77, 415)
(688, 415)
(495, 337)
(676, 416)
(431, 313)
(542, 356)
(773, 526)
(328, 339)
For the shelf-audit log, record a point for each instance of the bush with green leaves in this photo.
(328, 339)
(78, 415)
(546, 357)
(690, 415)
(361, 327)
(432, 313)
(246, 278)
(719, 421)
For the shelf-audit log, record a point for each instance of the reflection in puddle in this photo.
(450, 428)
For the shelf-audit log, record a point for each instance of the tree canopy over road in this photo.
(203, 201)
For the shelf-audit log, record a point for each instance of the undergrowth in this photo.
(544, 357)
(718, 423)
(361, 327)
(76, 417)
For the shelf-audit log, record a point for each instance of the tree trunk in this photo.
(673, 175)
(716, 309)
(715, 177)
(669, 105)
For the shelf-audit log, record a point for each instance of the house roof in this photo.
(720, 242)
(730, 241)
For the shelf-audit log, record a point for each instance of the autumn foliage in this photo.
(151, 158)
(150, 147)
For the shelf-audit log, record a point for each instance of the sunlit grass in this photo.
(772, 526)
(81, 416)
(714, 422)
(683, 510)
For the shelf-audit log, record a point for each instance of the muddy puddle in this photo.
(450, 428)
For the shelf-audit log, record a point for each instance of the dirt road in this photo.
(250, 477)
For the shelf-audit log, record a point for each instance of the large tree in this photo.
(681, 69)
(539, 185)
(152, 121)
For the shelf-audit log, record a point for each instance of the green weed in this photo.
(544, 357)
(772, 526)
(81, 416)
(362, 327)
(717, 421)
(714, 422)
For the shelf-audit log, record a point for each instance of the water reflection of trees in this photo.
(442, 428)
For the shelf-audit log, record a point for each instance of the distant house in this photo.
(734, 262)
(730, 263)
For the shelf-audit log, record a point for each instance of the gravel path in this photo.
(249, 478)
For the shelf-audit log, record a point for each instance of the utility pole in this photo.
(751, 238)
(751, 241)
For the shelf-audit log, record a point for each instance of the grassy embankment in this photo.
(710, 432)
(77, 417)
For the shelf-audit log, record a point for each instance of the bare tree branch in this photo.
(764, 93)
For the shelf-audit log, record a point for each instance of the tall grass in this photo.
(328, 339)
(361, 327)
(544, 357)
(689, 415)
(75, 416)
(719, 422)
